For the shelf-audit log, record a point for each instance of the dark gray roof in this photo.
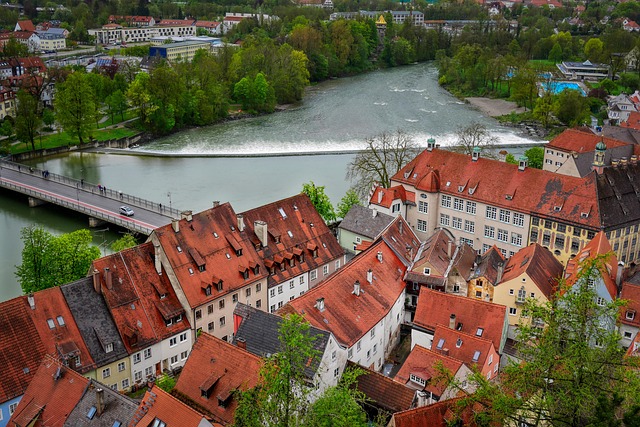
(94, 321)
(630, 135)
(635, 279)
(260, 332)
(584, 161)
(618, 200)
(360, 220)
(117, 407)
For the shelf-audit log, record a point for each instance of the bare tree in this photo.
(474, 135)
(385, 154)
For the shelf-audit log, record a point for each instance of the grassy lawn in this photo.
(63, 139)
(544, 62)
(128, 115)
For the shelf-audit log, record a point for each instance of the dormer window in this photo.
(479, 332)
(301, 257)
(108, 348)
(239, 252)
(459, 343)
(416, 379)
(276, 238)
(245, 274)
(272, 271)
(179, 249)
(201, 268)
(440, 344)
(256, 269)
(163, 296)
(315, 253)
(426, 271)
(219, 286)
(630, 314)
(292, 262)
(207, 291)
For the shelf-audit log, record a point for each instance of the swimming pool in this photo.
(557, 87)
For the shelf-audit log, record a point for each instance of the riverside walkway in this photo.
(98, 203)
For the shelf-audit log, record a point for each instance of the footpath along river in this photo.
(255, 161)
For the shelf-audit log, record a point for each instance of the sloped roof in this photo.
(386, 196)
(633, 121)
(440, 414)
(424, 364)
(176, 22)
(531, 190)
(631, 293)
(491, 265)
(117, 407)
(402, 240)
(576, 140)
(382, 391)
(208, 234)
(158, 404)
(617, 195)
(347, 316)
(435, 252)
(260, 332)
(365, 222)
(468, 349)
(51, 396)
(539, 264)
(599, 245)
(221, 368)
(21, 348)
(26, 25)
(436, 308)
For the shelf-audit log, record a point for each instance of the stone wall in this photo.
(111, 143)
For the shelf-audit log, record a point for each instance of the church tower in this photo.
(598, 157)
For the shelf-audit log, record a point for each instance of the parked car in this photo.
(126, 211)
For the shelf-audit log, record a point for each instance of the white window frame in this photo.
(471, 208)
(423, 207)
(469, 226)
(444, 220)
(445, 201)
(518, 219)
(491, 212)
(489, 232)
(516, 239)
(458, 204)
(422, 225)
(503, 235)
(456, 223)
(505, 216)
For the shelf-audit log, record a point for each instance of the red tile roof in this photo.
(207, 24)
(424, 364)
(208, 237)
(347, 316)
(631, 293)
(581, 141)
(435, 252)
(53, 393)
(298, 227)
(540, 3)
(216, 368)
(176, 22)
(599, 245)
(531, 191)
(632, 122)
(58, 329)
(634, 348)
(382, 391)
(441, 414)
(436, 308)
(539, 264)
(402, 240)
(21, 348)
(159, 404)
(469, 346)
(386, 196)
(26, 25)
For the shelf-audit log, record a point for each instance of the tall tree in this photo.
(535, 156)
(571, 108)
(473, 135)
(383, 156)
(349, 200)
(75, 106)
(320, 200)
(28, 120)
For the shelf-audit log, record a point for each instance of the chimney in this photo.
(500, 271)
(97, 285)
(476, 154)
(370, 276)
(445, 351)
(260, 228)
(614, 162)
(450, 244)
(374, 212)
(240, 222)
(99, 401)
(379, 256)
(619, 275)
(634, 159)
(452, 321)
(523, 162)
(356, 288)
(623, 161)
(107, 278)
(380, 195)
(242, 343)
(175, 224)
(431, 143)
(320, 304)
(156, 258)
(32, 301)
(216, 203)
(186, 215)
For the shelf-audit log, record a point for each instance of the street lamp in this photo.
(169, 196)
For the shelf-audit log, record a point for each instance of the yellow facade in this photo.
(563, 240)
(513, 293)
(119, 373)
(481, 289)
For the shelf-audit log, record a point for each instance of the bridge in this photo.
(99, 204)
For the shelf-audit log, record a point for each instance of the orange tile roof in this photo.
(51, 396)
(58, 329)
(631, 293)
(599, 245)
(382, 392)
(21, 348)
(470, 344)
(347, 316)
(176, 22)
(539, 264)
(436, 308)
(441, 414)
(581, 142)
(208, 235)
(632, 122)
(296, 224)
(424, 363)
(531, 191)
(386, 196)
(435, 252)
(26, 25)
(159, 404)
(402, 240)
(216, 368)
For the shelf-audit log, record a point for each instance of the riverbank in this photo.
(495, 107)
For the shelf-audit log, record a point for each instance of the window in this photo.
(184, 355)
(490, 361)
(505, 215)
(444, 220)
(333, 355)
(60, 320)
(336, 372)
(280, 289)
(337, 264)
(426, 271)
(456, 223)
(417, 380)
(627, 334)
(534, 235)
(522, 294)
(373, 332)
(458, 204)
(174, 359)
(478, 294)
(422, 225)
(198, 314)
(121, 366)
(358, 345)
(147, 353)
(485, 247)
(518, 219)
(630, 315)
(445, 202)
(248, 292)
(148, 371)
(210, 309)
(368, 354)
(503, 235)
(375, 348)
(325, 270)
(272, 292)
(108, 348)
(512, 311)
(173, 342)
(272, 309)
(136, 358)
(511, 292)
(259, 303)
(301, 281)
(395, 208)
(548, 224)
(51, 323)
(12, 408)
(489, 232)
(313, 275)
(125, 383)
(479, 332)
(471, 208)
(559, 243)
(423, 207)
(137, 376)
(600, 301)
(221, 304)
(106, 373)
(467, 241)
(234, 298)
(469, 226)
(350, 353)
(562, 228)
(258, 287)
(491, 212)
(223, 321)
(211, 326)
(516, 239)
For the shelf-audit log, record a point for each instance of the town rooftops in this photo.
(630, 313)
(539, 264)
(176, 22)
(470, 349)
(160, 405)
(347, 304)
(100, 406)
(51, 396)
(530, 190)
(618, 197)
(435, 253)
(402, 240)
(633, 121)
(382, 392)
(599, 245)
(25, 25)
(441, 414)
(21, 348)
(491, 266)
(214, 370)
(386, 196)
(479, 318)
(578, 141)
(365, 222)
(425, 364)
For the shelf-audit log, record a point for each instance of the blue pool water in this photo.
(557, 87)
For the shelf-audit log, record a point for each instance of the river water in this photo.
(255, 161)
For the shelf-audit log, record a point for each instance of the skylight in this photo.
(479, 332)
(459, 343)
(92, 412)
(440, 344)
(284, 215)
(289, 233)
(60, 320)
(476, 356)
(51, 323)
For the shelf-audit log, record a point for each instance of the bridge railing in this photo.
(125, 198)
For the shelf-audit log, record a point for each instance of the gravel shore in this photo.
(495, 107)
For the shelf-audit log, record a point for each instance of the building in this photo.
(295, 245)
(486, 275)
(211, 27)
(441, 414)
(531, 273)
(392, 201)
(359, 225)
(115, 33)
(619, 108)
(630, 313)
(158, 408)
(583, 70)
(398, 16)
(101, 407)
(26, 25)
(51, 40)
(28, 38)
(215, 371)
(133, 21)
(471, 349)
(180, 51)
(7, 103)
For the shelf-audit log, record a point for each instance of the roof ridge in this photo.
(467, 299)
(157, 390)
(212, 340)
(446, 356)
(463, 333)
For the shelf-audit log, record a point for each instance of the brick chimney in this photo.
(216, 203)
(175, 224)
(356, 288)
(188, 215)
(260, 228)
(241, 343)
(370, 276)
(379, 256)
(32, 301)
(108, 278)
(99, 401)
(320, 304)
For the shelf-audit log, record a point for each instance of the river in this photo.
(270, 157)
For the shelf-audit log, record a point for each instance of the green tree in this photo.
(28, 120)
(473, 135)
(535, 156)
(14, 49)
(125, 242)
(139, 97)
(48, 118)
(593, 49)
(75, 106)
(555, 54)
(511, 159)
(544, 109)
(349, 200)
(571, 108)
(320, 201)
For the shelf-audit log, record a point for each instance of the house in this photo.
(25, 25)
(361, 224)
(101, 406)
(215, 371)
(210, 27)
(551, 4)
(531, 273)
(53, 393)
(158, 408)
(482, 319)
(619, 108)
(362, 305)
(586, 70)
(211, 264)
(441, 414)
(630, 25)
(152, 324)
(630, 313)
(392, 201)
(295, 245)
(183, 51)
(133, 21)
(232, 19)
(99, 332)
(7, 103)
(424, 371)
(28, 38)
(21, 351)
(486, 275)
(258, 333)
(54, 39)
(633, 121)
